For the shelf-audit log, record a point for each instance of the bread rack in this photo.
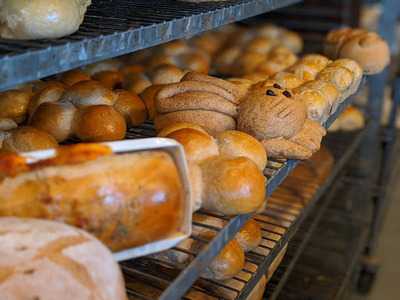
(116, 27)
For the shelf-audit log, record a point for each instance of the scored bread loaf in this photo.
(86, 186)
(40, 259)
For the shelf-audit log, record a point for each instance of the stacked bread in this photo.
(87, 186)
(204, 100)
(265, 50)
(48, 260)
(226, 172)
(368, 49)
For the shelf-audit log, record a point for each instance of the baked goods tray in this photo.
(175, 286)
(176, 152)
(114, 28)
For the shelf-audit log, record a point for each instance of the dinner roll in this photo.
(74, 76)
(14, 104)
(197, 144)
(249, 236)
(131, 107)
(57, 119)
(148, 97)
(176, 126)
(50, 93)
(110, 79)
(232, 185)
(236, 143)
(25, 139)
(99, 123)
(41, 19)
(86, 93)
(51, 260)
(165, 74)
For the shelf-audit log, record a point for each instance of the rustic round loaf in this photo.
(47, 260)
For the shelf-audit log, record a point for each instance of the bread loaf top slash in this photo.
(125, 200)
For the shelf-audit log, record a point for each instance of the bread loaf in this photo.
(96, 192)
(48, 260)
(232, 185)
(41, 19)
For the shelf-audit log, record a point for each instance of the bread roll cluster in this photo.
(264, 50)
(49, 260)
(367, 48)
(215, 165)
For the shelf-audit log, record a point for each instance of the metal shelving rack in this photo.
(115, 27)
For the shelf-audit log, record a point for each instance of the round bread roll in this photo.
(51, 93)
(333, 38)
(57, 119)
(196, 184)
(340, 77)
(354, 68)
(7, 124)
(177, 126)
(213, 122)
(99, 123)
(327, 89)
(105, 65)
(262, 45)
(225, 59)
(351, 119)
(41, 19)
(232, 185)
(14, 104)
(26, 139)
(271, 112)
(131, 107)
(197, 144)
(148, 96)
(50, 260)
(166, 74)
(304, 72)
(287, 80)
(87, 93)
(249, 236)
(136, 82)
(110, 79)
(227, 264)
(318, 107)
(248, 62)
(236, 143)
(369, 50)
(175, 47)
(316, 61)
(74, 76)
(193, 61)
(292, 41)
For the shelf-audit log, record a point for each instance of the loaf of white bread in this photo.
(40, 259)
(89, 187)
(40, 19)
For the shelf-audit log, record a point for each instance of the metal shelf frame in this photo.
(116, 27)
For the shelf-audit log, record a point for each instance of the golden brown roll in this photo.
(136, 82)
(351, 119)
(59, 261)
(225, 59)
(227, 264)
(292, 41)
(57, 119)
(131, 107)
(110, 79)
(99, 123)
(287, 80)
(340, 77)
(260, 44)
(315, 61)
(318, 108)
(86, 93)
(198, 145)
(51, 93)
(232, 185)
(105, 65)
(177, 126)
(148, 97)
(14, 104)
(98, 193)
(213, 122)
(327, 89)
(194, 62)
(25, 139)
(369, 50)
(271, 112)
(248, 62)
(165, 74)
(333, 39)
(72, 77)
(354, 68)
(249, 236)
(236, 143)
